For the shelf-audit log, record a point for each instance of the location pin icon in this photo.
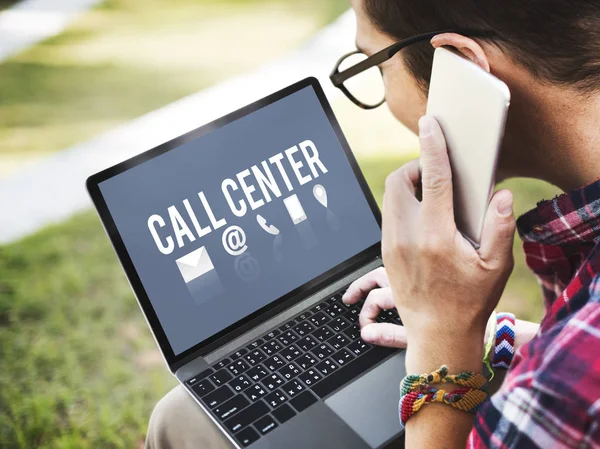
(320, 194)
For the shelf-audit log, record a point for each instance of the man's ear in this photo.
(465, 45)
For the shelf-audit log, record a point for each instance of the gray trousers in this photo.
(177, 422)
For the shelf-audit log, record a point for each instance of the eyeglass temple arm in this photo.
(338, 78)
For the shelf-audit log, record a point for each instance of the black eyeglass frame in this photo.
(339, 78)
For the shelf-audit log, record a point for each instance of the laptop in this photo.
(239, 239)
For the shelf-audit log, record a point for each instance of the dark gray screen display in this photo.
(229, 222)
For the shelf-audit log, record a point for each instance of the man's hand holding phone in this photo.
(443, 288)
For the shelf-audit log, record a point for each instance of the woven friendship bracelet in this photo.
(466, 399)
(414, 382)
(504, 349)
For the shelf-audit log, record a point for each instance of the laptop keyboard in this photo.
(256, 389)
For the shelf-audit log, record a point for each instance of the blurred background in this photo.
(87, 83)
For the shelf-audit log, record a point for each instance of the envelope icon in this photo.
(195, 264)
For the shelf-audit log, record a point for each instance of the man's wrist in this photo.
(428, 353)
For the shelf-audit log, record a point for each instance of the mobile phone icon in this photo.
(267, 228)
(295, 209)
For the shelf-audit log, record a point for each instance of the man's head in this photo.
(540, 48)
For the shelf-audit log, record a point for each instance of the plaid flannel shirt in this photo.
(550, 397)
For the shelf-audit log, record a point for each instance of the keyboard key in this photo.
(287, 338)
(265, 424)
(307, 343)
(322, 334)
(222, 364)
(322, 351)
(240, 383)
(255, 392)
(287, 326)
(352, 315)
(276, 398)
(221, 377)
(271, 347)
(351, 370)
(246, 416)
(283, 413)
(293, 388)
(318, 307)
(339, 324)
(231, 407)
(304, 316)
(275, 362)
(359, 347)
(290, 353)
(338, 342)
(326, 367)
(319, 319)
(382, 318)
(203, 387)
(256, 344)
(310, 377)
(200, 376)
(257, 373)
(289, 371)
(238, 367)
(342, 357)
(271, 335)
(335, 310)
(304, 328)
(273, 381)
(247, 436)
(218, 396)
(331, 300)
(353, 332)
(305, 361)
(239, 354)
(303, 401)
(255, 357)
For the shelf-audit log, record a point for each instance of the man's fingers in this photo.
(360, 288)
(436, 176)
(400, 197)
(377, 300)
(498, 230)
(384, 334)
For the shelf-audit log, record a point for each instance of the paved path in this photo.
(53, 189)
(31, 21)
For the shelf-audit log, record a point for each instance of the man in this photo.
(546, 51)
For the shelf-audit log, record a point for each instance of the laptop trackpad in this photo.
(369, 405)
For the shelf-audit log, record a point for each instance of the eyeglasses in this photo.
(367, 90)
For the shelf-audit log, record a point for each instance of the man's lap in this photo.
(177, 422)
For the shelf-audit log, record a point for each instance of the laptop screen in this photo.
(227, 223)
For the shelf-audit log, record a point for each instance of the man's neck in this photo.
(562, 131)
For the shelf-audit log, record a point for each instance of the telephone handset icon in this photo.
(267, 228)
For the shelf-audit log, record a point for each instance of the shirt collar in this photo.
(571, 218)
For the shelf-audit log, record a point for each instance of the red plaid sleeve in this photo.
(551, 395)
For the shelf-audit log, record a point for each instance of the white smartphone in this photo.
(471, 106)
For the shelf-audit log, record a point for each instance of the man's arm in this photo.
(443, 288)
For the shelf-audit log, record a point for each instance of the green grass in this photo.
(129, 57)
(79, 366)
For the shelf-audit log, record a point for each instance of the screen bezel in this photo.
(235, 330)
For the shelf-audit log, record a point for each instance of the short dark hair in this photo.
(556, 40)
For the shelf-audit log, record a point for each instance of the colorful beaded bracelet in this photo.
(464, 399)
(413, 382)
(504, 349)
